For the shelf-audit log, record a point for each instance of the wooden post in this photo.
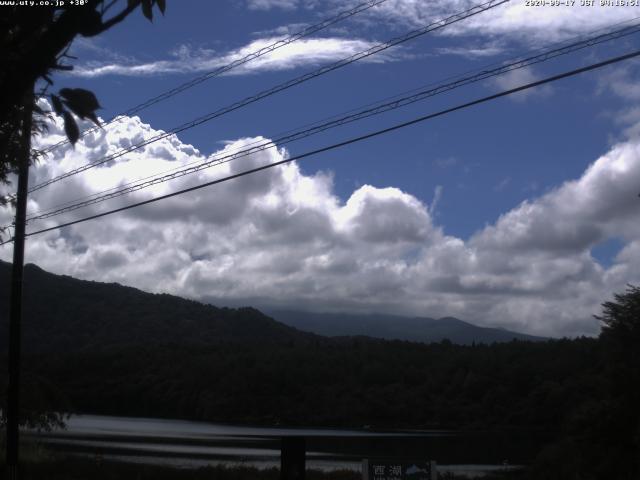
(15, 308)
(292, 458)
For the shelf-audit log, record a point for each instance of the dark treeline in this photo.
(345, 382)
(64, 314)
(571, 389)
(107, 349)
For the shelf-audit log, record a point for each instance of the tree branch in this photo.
(118, 18)
(106, 8)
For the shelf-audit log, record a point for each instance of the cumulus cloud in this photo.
(283, 238)
(186, 59)
(622, 82)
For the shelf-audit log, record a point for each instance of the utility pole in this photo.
(15, 307)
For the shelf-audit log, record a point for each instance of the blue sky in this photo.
(480, 188)
(502, 152)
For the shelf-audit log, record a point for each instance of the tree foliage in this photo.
(601, 437)
(34, 44)
(620, 339)
(105, 348)
(34, 41)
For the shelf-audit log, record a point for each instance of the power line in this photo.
(230, 66)
(334, 146)
(483, 74)
(284, 86)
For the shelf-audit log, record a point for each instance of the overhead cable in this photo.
(359, 115)
(344, 143)
(230, 66)
(283, 86)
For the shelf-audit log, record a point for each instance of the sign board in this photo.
(375, 469)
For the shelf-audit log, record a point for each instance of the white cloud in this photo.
(502, 184)
(269, 4)
(437, 196)
(511, 21)
(486, 34)
(185, 59)
(282, 237)
(447, 162)
(472, 52)
(517, 78)
(622, 82)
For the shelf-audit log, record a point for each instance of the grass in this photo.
(78, 468)
(40, 463)
(75, 468)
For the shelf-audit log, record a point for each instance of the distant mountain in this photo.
(391, 327)
(63, 314)
(103, 348)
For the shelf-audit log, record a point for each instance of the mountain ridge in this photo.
(62, 313)
(394, 327)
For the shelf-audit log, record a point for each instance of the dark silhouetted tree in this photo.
(33, 45)
(34, 41)
(620, 338)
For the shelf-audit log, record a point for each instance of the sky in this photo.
(520, 213)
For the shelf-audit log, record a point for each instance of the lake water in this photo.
(186, 444)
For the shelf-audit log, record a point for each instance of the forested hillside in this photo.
(63, 314)
(241, 366)
(351, 382)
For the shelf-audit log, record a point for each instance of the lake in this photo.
(187, 444)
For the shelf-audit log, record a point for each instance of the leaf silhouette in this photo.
(146, 9)
(57, 104)
(91, 24)
(85, 99)
(162, 5)
(71, 128)
(81, 102)
(92, 116)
